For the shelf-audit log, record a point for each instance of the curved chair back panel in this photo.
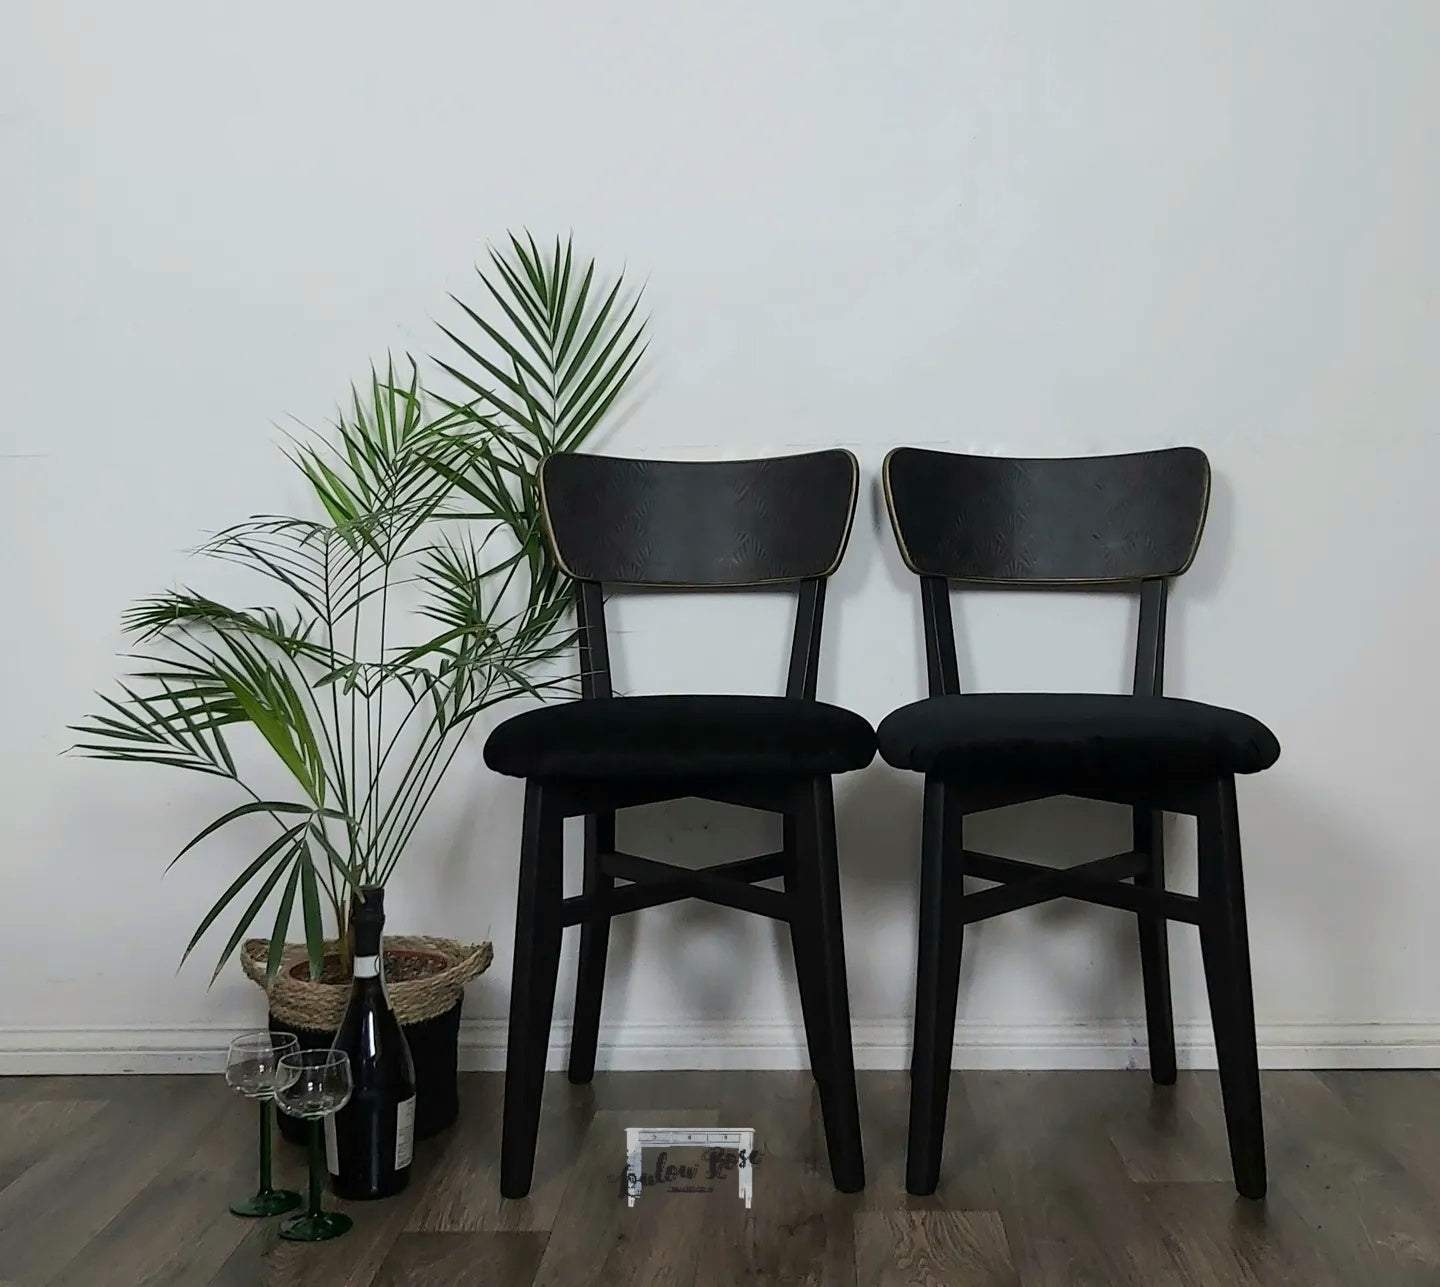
(1082, 520)
(699, 524)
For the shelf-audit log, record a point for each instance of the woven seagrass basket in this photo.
(427, 1005)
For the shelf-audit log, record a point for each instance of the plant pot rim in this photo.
(298, 1001)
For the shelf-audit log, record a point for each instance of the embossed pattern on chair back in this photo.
(699, 524)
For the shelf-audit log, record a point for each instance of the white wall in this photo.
(1027, 228)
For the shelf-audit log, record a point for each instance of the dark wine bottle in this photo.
(368, 1143)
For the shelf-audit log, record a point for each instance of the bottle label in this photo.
(332, 1146)
(404, 1133)
(367, 967)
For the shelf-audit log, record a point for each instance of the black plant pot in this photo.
(434, 1046)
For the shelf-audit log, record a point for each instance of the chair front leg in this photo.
(1225, 945)
(594, 946)
(937, 983)
(821, 939)
(810, 985)
(532, 986)
(1155, 951)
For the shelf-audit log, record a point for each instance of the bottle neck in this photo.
(369, 960)
(367, 927)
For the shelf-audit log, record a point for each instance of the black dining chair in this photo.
(1102, 521)
(688, 525)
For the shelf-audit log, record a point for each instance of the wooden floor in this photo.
(1050, 1178)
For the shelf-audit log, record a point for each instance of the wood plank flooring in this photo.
(1060, 1179)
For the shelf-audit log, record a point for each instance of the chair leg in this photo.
(811, 987)
(1155, 952)
(594, 944)
(822, 940)
(1224, 942)
(532, 987)
(937, 983)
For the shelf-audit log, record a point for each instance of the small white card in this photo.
(728, 1146)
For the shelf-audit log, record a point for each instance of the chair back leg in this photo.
(538, 928)
(937, 983)
(1155, 951)
(594, 946)
(1225, 946)
(820, 943)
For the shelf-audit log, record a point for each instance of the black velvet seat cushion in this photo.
(1015, 735)
(681, 736)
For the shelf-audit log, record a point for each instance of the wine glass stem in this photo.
(317, 1165)
(267, 1117)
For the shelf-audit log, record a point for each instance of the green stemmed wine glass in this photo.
(251, 1068)
(313, 1084)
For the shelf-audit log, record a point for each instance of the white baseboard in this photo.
(733, 1044)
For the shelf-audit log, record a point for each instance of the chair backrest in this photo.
(691, 524)
(1085, 520)
(1067, 522)
(699, 524)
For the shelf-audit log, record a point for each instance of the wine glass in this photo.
(313, 1084)
(250, 1068)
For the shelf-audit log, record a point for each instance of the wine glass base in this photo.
(316, 1227)
(267, 1202)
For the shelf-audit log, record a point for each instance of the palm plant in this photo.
(364, 725)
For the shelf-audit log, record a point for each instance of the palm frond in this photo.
(563, 349)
